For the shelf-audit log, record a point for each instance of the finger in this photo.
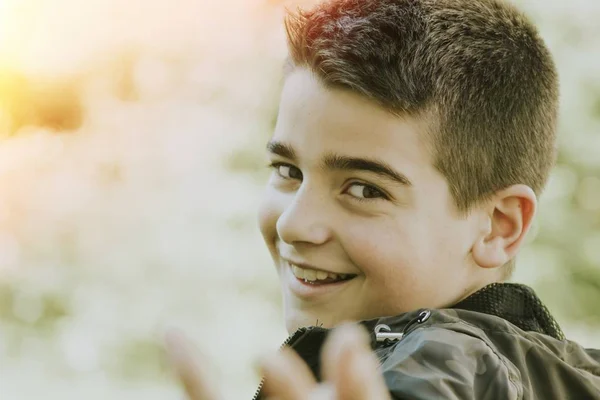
(332, 352)
(191, 367)
(359, 377)
(287, 377)
(352, 366)
(323, 391)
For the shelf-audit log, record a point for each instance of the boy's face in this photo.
(354, 192)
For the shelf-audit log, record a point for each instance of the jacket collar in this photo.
(516, 303)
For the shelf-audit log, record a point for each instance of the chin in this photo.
(295, 321)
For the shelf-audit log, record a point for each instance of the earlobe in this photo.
(509, 219)
(489, 252)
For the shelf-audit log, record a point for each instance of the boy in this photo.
(412, 141)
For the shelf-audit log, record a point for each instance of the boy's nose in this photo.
(304, 220)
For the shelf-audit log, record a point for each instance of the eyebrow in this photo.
(335, 161)
(281, 149)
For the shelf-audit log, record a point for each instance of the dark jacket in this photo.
(499, 343)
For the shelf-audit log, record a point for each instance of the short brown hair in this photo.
(477, 69)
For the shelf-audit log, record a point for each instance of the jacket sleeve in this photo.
(436, 363)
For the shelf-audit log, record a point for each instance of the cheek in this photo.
(379, 249)
(395, 252)
(390, 266)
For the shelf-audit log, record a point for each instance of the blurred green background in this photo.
(131, 166)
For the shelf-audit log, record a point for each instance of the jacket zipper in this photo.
(383, 333)
(295, 336)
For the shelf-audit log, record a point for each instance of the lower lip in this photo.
(306, 290)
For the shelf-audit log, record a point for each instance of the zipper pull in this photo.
(383, 333)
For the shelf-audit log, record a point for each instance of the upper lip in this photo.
(309, 266)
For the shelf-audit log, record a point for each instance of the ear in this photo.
(508, 218)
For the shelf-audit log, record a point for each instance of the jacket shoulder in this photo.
(449, 360)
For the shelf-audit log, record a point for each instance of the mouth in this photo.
(309, 282)
(311, 276)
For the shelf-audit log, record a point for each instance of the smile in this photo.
(314, 276)
(312, 284)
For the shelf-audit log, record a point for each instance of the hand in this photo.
(191, 367)
(350, 371)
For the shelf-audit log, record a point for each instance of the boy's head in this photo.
(412, 140)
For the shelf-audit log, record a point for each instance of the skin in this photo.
(402, 238)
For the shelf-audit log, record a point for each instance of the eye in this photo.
(286, 171)
(361, 191)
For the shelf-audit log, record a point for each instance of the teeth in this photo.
(313, 275)
(298, 272)
(310, 274)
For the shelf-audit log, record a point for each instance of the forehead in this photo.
(315, 120)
